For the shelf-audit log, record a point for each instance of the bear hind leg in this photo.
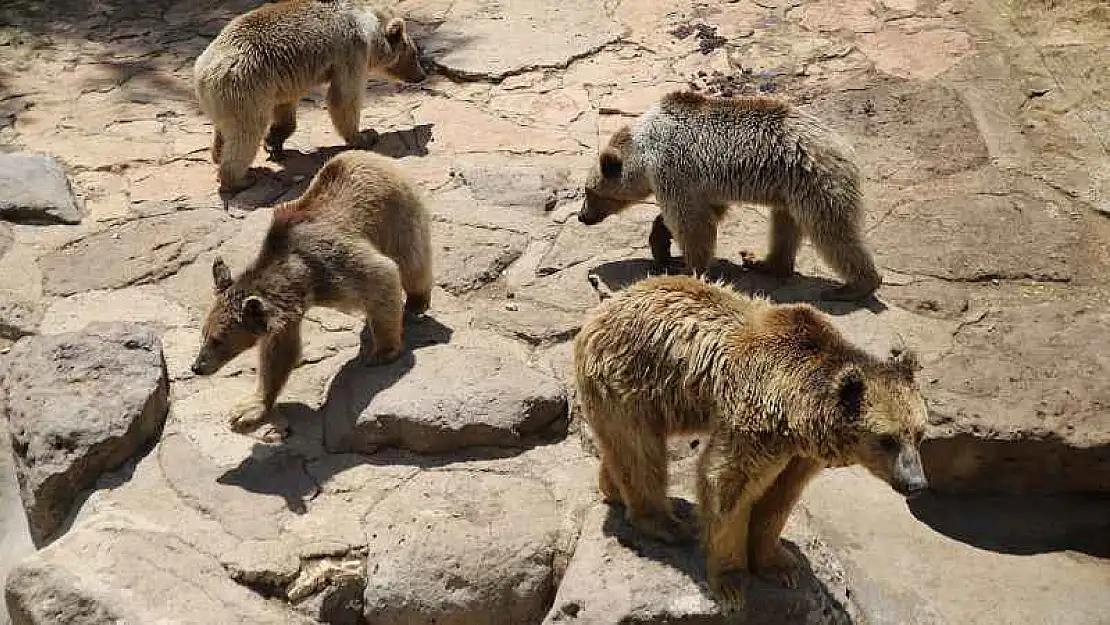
(844, 251)
(786, 238)
(385, 309)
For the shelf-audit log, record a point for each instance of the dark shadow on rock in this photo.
(298, 168)
(1020, 524)
(761, 597)
(617, 275)
(356, 384)
(273, 471)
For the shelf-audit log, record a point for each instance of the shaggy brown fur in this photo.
(780, 393)
(358, 240)
(699, 154)
(260, 65)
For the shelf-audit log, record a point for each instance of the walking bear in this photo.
(699, 154)
(358, 240)
(263, 62)
(779, 392)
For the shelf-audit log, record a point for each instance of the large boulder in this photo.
(119, 568)
(616, 576)
(475, 391)
(461, 548)
(77, 405)
(35, 189)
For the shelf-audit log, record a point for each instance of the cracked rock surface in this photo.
(458, 484)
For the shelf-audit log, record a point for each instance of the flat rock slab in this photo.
(79, 404)
(35, 190)
(962, 560)
(476, 390)
(952, 230)
(461, 548)
(469, 257)
(484, 40)
(80, 580)
(1020, 403)
(136, 252)
(617, 577)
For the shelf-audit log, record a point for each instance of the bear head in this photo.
(616, 181)
(235, 323)
(886, 417)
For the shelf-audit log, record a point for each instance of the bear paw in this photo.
(780, 567)
(728, 587)
(364, 139)
(846, 293)
(662, 527)
(381, 357)
(773, 269)
(247, 416)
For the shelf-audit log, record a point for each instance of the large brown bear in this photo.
(780, 393)
(358, 240)
(700, 154)
(262, 63)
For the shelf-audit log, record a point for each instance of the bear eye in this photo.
(889, 443)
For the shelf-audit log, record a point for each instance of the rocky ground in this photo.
(456, 486)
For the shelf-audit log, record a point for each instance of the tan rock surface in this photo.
(979, 126)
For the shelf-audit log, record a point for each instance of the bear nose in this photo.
(582, 219)
(196, 368)
(913, 488)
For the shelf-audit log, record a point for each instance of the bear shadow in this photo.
(616, 275)
(267, 470)
(1020, 524)
(298, 168)
(761, 597)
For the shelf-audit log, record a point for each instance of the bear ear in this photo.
(395, 31)
(905, 361)
(221, 275)
(849, 392)
(253, 314)
(611, 165)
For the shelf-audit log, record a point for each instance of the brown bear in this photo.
(699, 154)
(263, 62)
(779, 392)
(358, 240)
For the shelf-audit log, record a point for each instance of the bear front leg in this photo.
(345, 107)
(769, 557)
(696, 233)
(282, 127)
(278, 355)
(729, 485)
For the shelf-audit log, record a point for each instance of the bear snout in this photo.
(586, 217)
(909, 476)
(201, 366)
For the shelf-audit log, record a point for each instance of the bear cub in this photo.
(251, 76)
(779, 393)
(358, 241)
(699, 154)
